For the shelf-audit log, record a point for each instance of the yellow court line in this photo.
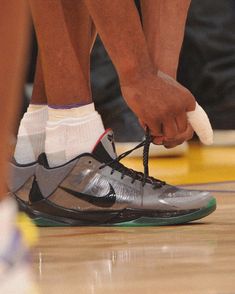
(200, 165)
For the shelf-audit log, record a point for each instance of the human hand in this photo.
(162, 104)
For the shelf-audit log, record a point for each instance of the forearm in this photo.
(119, 27)
(158, 101)
(164, 26)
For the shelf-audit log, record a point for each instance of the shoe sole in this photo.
(147, 221)
(125, 218)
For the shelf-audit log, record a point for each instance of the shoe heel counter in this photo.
(19, 175)
(23, 192)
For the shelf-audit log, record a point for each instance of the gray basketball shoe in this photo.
(20, 181)
(96, 189)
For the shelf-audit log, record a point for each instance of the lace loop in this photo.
(143, 177)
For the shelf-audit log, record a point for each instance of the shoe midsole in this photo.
(45, 208)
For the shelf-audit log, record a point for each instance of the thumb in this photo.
(201, 124)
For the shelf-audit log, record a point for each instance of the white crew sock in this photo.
(31, 134)
(8, 212)
(70, 132)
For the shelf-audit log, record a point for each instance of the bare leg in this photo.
(65, 56)
(39, 92)
(82, 33)
(14, 24)
(163, 24)
(65, 78)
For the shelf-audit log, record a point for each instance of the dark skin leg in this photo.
(66, 77)
(39, 92)
(14, 32)
(81, 31)
(82, 34)
(163, 25)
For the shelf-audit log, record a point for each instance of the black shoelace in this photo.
(143, 177)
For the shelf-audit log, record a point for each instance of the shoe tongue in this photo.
(105, 147)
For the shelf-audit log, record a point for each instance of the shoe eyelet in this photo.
(89, 162)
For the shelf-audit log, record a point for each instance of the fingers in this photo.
(156, 132)
(182, 122)
(179, 139)
(170, 129)
(155, 129)
(191, 103)
(171, 132)
(158, 140)
(173, 127)
(175, 131)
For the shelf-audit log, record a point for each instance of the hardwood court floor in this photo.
(194, 258)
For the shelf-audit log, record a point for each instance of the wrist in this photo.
(131, 75)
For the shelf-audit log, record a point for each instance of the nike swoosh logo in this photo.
(103, 201)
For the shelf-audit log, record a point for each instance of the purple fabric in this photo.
(68, 106)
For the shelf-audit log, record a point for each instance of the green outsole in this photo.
(143, 221)
(46, 222)
(148, 222)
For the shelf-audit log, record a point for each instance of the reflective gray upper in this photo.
(84, 176)
(19, 175)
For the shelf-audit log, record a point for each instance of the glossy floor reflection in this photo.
(195, 258)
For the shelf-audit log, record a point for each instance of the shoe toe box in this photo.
(183, 199)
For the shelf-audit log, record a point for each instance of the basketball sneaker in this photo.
(97, 189)
(20, 181)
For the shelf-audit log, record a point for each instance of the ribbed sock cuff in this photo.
(56, 114)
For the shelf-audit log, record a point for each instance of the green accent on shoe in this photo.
(143, 221)
(147, 221)
(46, 222)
